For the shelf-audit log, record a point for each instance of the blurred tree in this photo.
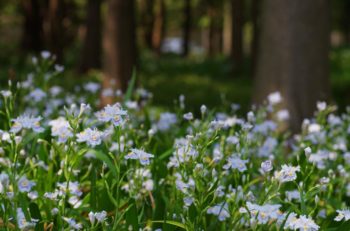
(186, 28)
(32, 38)
(159, 26)
(91, 53)
(237, 33)
(293, 56)
(346, 21)
(147, 21)
(227, 28)
(214, 12)
(255, 18)
(55, 35)
(119, 46)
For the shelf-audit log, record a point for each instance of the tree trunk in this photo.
(55, 35)
(91, 53)
(237, 33)
(119, 46)
(227, 28)
(186, 28)
(293, 56)
(215, 28)
(159, 26)
(255, 14)
(346, 22)
(147, 20)
(32, 39)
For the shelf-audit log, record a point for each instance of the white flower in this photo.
(220, 210)
(45, 54)
(142, 156)
(266, 166)
(22, 222)
(61, 128)
(274, 98)
(33, 195)
(304, 223)
(54, 211)
(295, 194)
(25, 185)
(314, 127)
(283, 115)
(166, 120)
(75, 201)
(55, 90)
(236, 163)
(321, 106)
(37, 95)
(148, 185)
(188, 201)
(28, 122)
(232, 140)
(184, 152)
(112, 114)
(203, 109)
(307, 150)
(92, 137)
(59, 68)
(288, 173)
(72, 223)
(92, 87)
(188, 116)
(268, 147)
(343, 214)
(183, 186)
(6, 94)
(263, 213)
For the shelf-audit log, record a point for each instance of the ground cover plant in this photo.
(66, 164)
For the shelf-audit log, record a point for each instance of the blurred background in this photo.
(215, 52)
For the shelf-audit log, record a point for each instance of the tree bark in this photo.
(119, 46)
(237, 33)
(147, 21)
(255, 14)
(159, 26)
(91, 52)
(186, 28)
(346, 22)
(32, 38)
(55, 35)
(227, 28)
(293, 55)
(215, 28)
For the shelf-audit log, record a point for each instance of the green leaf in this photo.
(165, 154)
(174, 223)
(131, 216)
(35, 213)
(131, 86)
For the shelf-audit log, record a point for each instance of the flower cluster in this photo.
(66, 164)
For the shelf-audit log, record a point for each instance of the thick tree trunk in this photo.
(147, 20)
(32, 39)
(237, 33)
(186, 28)
(346, 22)
(91, 53)
(293, 56)
(159, 26)
(55, 35)
(255, 14)
(215, 28)
(227, 28)
(119, 46)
